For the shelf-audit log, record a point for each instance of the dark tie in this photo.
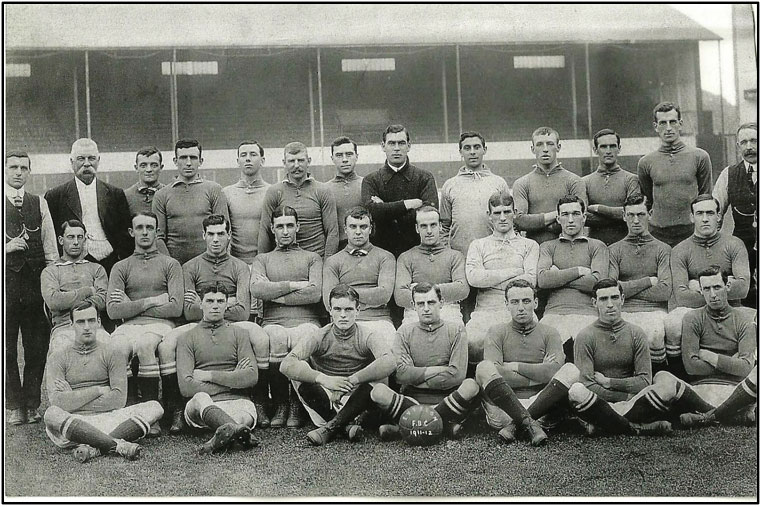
(18, 201)
(146, 190)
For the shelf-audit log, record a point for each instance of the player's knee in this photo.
(468, 389)
(568, 374)
(55, 416)
(381, 394)
(167, 348)
(578, 392)
(153, 411)
(486, 371)
(666, 385)
(200, 401)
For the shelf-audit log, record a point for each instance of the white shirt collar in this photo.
(82, 188)
(11, 192)
(748, 165)
(394, 168)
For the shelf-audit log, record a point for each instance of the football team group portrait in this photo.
(296, 299)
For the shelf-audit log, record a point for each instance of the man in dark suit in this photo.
(101, 207)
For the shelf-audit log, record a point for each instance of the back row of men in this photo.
(285, 231)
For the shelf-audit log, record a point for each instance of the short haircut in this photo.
(343, 290)
(261, 150)
(570, 199)
(284, 211)
(395, 128)
(214, 287)
(704, 197)
(84, 305)
(750, 125)
(637, 199)
(665, 107)
(72, 223)
(216, 219)
(427, 208)
(18, 154)
(502, 198)
(424, 288)
(188, 143)
(604, 284)
(714, 270)
(471, 133)
(524, 284)
(359, 212)
(83, 141)
(294, 147)
(150, 214)
(545, 131)
(606, 132)
(338, 141)
(147, 151)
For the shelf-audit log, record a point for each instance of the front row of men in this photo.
(341, 371)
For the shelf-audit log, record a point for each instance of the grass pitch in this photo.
(710, 462)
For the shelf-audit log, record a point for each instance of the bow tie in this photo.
(358, 252)
(146, 190)
(18, 201)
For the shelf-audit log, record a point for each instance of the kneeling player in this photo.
(431, 358)
(346, 359)
(87, 387)
(613, 358)
(522, 375)
(216, 366)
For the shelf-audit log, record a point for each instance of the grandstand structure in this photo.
(135, 75)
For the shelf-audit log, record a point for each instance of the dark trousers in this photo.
(751, 301)
(24, 311)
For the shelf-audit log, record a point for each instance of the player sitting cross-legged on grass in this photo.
(216, 367)
(87, 387)
(431, 358)
(333, 370)
(613, 358)
(522, 375)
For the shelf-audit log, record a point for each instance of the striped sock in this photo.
(501, 394)
(744, 394)
(648, 408)
(399, 403)
(687, 400)
(554, 393)
(80, 431)
(132, 429)
(598, 412)
(454, 408)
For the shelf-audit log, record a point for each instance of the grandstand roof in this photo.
(102, 26)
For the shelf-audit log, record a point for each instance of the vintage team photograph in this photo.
(381, 252)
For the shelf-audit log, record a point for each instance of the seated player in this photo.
(70, 281)
(217, 265)
(492, 263)
(289, 281)
(433, 262)
(613, 358)
(641, 264)
(145, 290)
(87, 388)
(523, 375)
(570, 266)
(216, 368)
(334, 370)
(431, 358)
(706, 247)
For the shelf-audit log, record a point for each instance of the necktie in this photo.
(18, 201)
(753, 173)
(146, 190)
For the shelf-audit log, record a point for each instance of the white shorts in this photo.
(239, 410)
(105, 422)
(568, 325)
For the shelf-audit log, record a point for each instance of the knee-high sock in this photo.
(598, 412)
(399, 403)
(132, 429)
(454, 408)
(149, 387)
(689, 401)
(278, 384)
(317, 399)
(355, 405)
(80, 431)
(501, 394)
(261, 391)
(648, 408)
(676, 367)
(214, 417)
(131, 389)
(171, 391)
(744, 394)
(554, 393)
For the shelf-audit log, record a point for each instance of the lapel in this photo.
(72, 199)
(101, 190)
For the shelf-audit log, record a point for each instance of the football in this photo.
(421, 425)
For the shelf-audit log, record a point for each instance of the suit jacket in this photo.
(113, 211)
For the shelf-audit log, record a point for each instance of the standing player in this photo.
(346, 185)
(607, 189)
(289, 281)
(71, 281)
(672, 176)
(334, 369)
(522, 375)
(536, 193)
(395, 191)
(706, 247)
(182, 205)
(433, 262)
(493, 262)
(215, 365)
(737, 188)
(87, 386)
(29, 245)
(148, 164)
(311, 199)
(641, 264)
(145, 290)
(570, 266)
(367, 269)
(431, 358)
